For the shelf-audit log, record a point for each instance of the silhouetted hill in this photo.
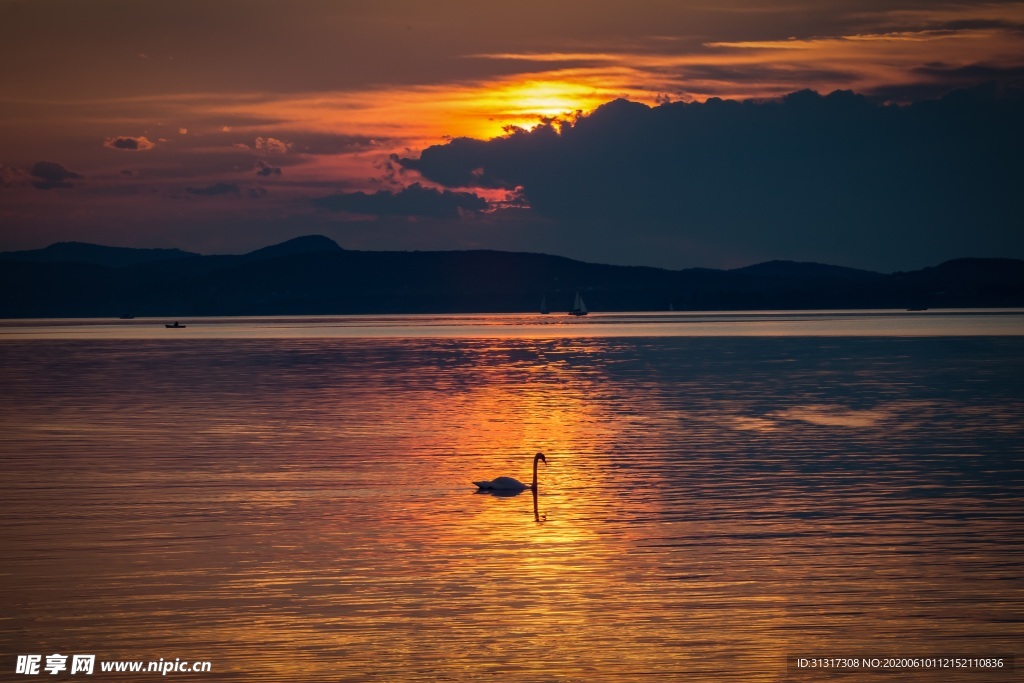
(802, 269)
(313, 275)
(300, 245)
(961, 281)
(83, 252)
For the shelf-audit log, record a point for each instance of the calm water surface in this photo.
(290, 499)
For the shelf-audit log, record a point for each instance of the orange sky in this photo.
(152, 99)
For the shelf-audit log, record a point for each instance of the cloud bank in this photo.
(807, 175)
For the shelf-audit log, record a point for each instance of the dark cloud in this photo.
(972, 73)
(264, 169)
(976, 25)
(215, 190)
(48, 175)
(764, 73)
(414, 200)
(806, 176)
(915, 91)
(938, 79)
(129, 144)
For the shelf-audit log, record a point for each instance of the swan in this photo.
(509, 484)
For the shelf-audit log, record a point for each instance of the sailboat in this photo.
(578, 307)
(544, 304)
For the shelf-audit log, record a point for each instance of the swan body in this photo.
(502, 484)
(509, 484)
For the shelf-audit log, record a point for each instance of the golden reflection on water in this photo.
(303, 509)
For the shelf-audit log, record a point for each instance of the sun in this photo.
(525, 104)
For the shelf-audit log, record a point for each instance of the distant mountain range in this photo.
(313, 275)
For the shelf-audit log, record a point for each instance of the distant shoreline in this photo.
(952, 323)
(314, 276)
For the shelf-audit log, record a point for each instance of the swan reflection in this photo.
(505, 493)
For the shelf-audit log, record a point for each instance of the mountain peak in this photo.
(300, 245)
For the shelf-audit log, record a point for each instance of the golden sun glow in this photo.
(526, 104)
(427, 114)
(485, 110)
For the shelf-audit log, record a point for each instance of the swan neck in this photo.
(534, 485)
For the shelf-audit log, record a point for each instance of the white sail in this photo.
(578, 307)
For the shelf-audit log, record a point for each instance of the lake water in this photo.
(290, 499)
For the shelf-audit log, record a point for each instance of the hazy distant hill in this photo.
(83, 252)
(313, 275)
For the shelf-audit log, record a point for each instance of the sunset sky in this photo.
(221, 126)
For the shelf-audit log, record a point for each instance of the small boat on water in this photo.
(175, 326)
(578, 307)
(127, 316)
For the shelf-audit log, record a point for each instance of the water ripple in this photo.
(301, 509)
